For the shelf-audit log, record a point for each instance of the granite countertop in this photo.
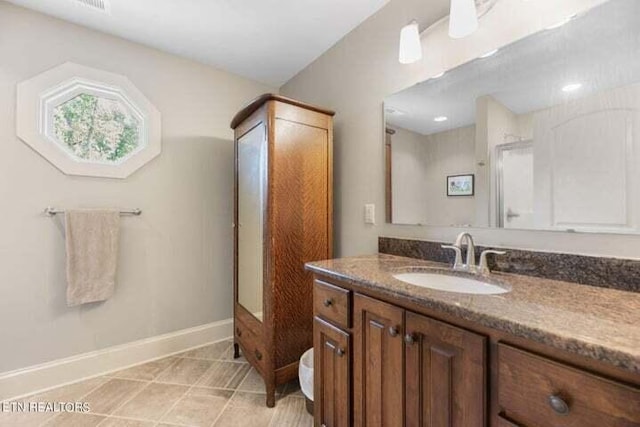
(598, 323)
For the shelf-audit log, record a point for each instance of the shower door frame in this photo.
(500, 150)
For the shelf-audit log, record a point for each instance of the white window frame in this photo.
(39, 96)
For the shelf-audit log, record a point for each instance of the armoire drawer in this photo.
(535, 391)
(332, 303)
(250, 342)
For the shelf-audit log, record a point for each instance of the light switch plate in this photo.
(369, 213)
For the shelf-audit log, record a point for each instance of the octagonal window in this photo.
(96, 129)
(88, 122)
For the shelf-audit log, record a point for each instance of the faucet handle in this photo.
(484, 265)
(458, 261)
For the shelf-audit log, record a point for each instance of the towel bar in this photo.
(53, 211)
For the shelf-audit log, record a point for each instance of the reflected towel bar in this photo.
(53, 211)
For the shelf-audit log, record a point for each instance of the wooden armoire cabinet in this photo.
(282, 219)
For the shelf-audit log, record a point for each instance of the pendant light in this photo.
(410, 45)
(463, 18)
(463, 21)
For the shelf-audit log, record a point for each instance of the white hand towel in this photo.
(92, 254)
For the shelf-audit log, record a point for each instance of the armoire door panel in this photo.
(300, 220)
(378, 362)
(445, 374)
(251, 151)
(332, 384)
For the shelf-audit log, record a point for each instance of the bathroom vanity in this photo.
(546, 353)
(540, 135)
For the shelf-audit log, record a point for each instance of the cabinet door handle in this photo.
(328, 302)
(558, 404)
(393, 331)
(409, 339)
(258, 355)
(340, 352)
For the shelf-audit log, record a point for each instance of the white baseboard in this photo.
(59, 372)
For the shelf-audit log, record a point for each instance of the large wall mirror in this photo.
(544, 134)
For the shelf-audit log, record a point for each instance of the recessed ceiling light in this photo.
(441, 119)
(571, 87)
(437, 76)
(490, 53)
(561, 23)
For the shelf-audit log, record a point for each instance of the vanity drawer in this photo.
(537, 392)
(332, 303)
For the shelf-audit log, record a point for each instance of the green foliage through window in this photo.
(96, 129)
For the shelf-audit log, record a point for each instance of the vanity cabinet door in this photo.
(445, 374)
(378, 362)
(332, 376)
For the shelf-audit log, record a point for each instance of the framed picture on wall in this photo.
(460, 185)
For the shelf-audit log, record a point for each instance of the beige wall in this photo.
(408, 177)
(420, 166)
(175, 263)
(355, 75)
(450, 152)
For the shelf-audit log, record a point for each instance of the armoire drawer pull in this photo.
(409, 339)
(340, 352)
(393, 331)
(238, 332)
(328, 302)
(258, 355)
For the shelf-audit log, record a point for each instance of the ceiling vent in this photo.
(98, 5)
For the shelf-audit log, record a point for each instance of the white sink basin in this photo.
(450, 283)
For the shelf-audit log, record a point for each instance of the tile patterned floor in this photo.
(204, 387)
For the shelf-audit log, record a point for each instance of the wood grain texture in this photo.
(445, 375)
(248, 334)
(503, 422)
(332, 375)
(332, 303)
(299, 224)
(298, 228)
(377, 363)
(261, 100)
(292, 113)
(592, 401)
(498, 412)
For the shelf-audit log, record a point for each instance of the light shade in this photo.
(463, 18)
(410, 45)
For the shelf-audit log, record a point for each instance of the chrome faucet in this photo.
(471, 248)
(470, 264)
